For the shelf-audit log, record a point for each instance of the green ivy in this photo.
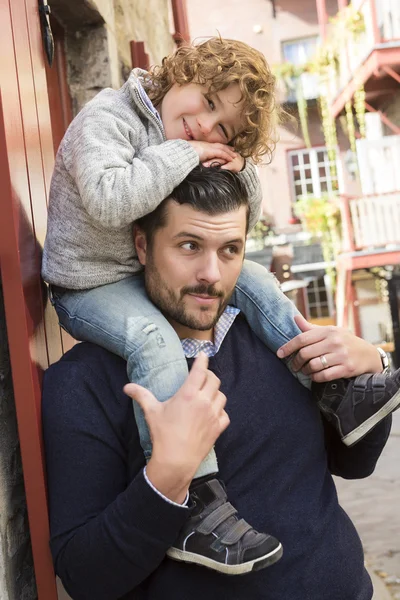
(321, 218)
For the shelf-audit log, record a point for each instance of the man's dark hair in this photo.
(207, 189)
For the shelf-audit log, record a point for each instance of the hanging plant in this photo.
(351, 131)
(359, 107)
(303, 112)
(325, 59)
(291, 74)
(330, 135)
(350, 20)
(321, 218)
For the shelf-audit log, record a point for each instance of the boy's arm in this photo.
(253, 185)
(107, 533)
(358, 461)
(116, 184)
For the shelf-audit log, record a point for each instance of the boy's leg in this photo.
(269, 312)
(121, 318)
(355, 406)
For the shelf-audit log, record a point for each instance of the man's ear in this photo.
(139, 238)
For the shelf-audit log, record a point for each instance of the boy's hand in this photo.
(236, 164)
(213, 152)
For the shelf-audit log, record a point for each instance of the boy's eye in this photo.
(211, 104)
(224, 131)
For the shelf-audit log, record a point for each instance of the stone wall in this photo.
(16, 570)
(98, 34)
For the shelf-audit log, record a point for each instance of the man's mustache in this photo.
(203, 290)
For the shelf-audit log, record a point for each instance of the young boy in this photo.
(122, 155)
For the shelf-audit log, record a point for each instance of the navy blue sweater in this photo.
(110, 530)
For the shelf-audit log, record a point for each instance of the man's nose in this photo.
(209, 270)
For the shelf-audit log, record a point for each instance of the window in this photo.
(319, 298)
(299, 52)
(311, 173)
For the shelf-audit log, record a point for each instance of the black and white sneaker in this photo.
(215, 537)
(356, 405)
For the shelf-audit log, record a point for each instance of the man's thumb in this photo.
(303, 324)
(143, 397)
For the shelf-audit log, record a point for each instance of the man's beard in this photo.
(172, 305)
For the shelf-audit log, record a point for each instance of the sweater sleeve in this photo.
(107, 533)
(116, 184)
(250, 178)
(360, 460)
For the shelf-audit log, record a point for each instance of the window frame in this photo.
(315, 178)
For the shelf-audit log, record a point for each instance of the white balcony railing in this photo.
(371, 222)
(379, 162)
(388, 18)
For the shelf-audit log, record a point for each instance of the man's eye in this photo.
(230, 250)
(189, 246)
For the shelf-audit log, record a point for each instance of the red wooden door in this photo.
(26, 161)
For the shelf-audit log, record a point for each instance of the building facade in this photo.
(289, 34)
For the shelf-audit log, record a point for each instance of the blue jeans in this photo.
(121, 318)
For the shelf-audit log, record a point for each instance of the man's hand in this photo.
(183, 429)
(346, 355)
(210, 153)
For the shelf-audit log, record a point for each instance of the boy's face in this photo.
(190, 112)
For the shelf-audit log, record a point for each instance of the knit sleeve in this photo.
(360, 460)
(250, 178)
(108, 533)
(116, 183)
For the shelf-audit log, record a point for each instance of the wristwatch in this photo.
(384, 359)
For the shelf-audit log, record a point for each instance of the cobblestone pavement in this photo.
(374, 506)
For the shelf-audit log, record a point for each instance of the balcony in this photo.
(371, 222)
(370, 58)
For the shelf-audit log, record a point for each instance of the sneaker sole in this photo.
(362, 430)
(252, 565)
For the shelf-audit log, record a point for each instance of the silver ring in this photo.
(324, 361)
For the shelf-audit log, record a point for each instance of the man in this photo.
(112, 521)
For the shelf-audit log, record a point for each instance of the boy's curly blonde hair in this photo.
(217, 63)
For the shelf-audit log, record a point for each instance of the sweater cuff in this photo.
(250, 179)
(182, 154)
(184, 503)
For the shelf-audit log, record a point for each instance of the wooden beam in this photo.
(391, 72)
(351, 262)
(139, 56)
(322, 17)
(384, 118)
(181, 24)
(375, 27)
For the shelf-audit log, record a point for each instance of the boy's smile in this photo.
(190, 112)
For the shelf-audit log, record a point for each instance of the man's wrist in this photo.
(172, 481)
